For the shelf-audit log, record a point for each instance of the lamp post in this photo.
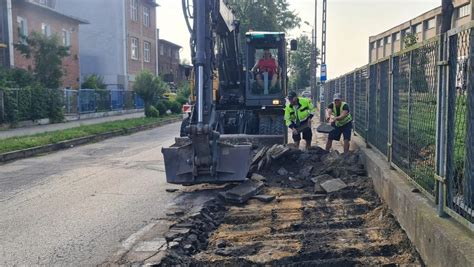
(314, 63)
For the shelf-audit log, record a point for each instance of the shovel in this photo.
(325, 128)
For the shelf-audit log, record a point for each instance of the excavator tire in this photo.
(265, 125)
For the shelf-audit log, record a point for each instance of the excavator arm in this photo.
(202, 158)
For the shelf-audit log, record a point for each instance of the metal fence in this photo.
(90, 101)
(397, 108)
(23, 104)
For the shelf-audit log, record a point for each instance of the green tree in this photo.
(410, 39)
(47, 54)
(94, 81)
(265, 15)
(300, 64)
(148, 87)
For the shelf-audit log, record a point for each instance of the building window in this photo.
(380, 43)
(134, 10)
(397, 36)
(418, 28)
(146, 16)
(43, 2)
(46, 29)
(66, 36)
(22, 29)
(169, 51)
(134, 48)
(176, 54)
(430, 24)
(388, 40)
(162, 50)
(146, 51)
(464, 11)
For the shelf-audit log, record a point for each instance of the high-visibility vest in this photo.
(346, 120)
(304, 111)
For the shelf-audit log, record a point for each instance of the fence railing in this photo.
(90, 101)
(23, 104)
(395, 104)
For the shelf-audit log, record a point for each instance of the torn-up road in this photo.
(298, 208)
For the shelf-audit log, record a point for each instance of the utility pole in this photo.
(315, 93)
(323, 75)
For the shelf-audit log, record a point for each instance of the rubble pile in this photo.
(310, 208)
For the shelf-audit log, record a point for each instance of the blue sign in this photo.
(324, 75)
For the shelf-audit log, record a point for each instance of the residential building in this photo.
(40, 16)
(120, 40)
(168, 60)
(424, 27)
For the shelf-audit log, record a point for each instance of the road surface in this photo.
(77, 206)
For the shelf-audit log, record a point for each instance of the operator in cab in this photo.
(298, 114)
(266, 64)
(338, 114)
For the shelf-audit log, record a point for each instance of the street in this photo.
(77, 206)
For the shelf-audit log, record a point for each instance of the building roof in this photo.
(169, 43)
(424, 16)
(56, 12)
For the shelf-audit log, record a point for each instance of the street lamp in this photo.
(314, 63)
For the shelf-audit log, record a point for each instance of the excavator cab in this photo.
(266, 69)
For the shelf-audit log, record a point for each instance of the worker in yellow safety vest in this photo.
(338, 113)
(298, 114)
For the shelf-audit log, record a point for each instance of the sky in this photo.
(349, 25)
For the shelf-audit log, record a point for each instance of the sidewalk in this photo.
(66, 125)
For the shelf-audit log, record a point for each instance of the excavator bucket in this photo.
(233, 163)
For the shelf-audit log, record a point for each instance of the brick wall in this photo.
(35, 16)
(168, 63)
(137, 29)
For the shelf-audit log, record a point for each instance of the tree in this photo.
(47, 54)
(264, 15)
(410, 39)
(148, 87)
(300, 64)
(94, 81)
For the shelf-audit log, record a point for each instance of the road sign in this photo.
(323, 73)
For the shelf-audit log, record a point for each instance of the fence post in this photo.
(367, 108)
(441, 129)
(390, 110)
(409, 106)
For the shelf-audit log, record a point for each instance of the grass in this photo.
(30, 141)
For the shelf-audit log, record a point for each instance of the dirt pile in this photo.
(320, 210)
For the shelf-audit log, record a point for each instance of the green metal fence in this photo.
(421, 117)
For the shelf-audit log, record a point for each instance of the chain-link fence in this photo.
(394, 103)
(460, 126)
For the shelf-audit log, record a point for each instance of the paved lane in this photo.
(76, 206)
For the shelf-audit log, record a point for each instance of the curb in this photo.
(30, 152)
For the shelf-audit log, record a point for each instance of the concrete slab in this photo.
(150, 246)
(333, 185)
(264, 198)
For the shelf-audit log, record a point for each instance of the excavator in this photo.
(235, 105)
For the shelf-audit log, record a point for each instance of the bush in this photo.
(94, 81)
(55, 105)
(167, 104)
(181, 99)
(175, 107)
(152, 112)
(161, 108)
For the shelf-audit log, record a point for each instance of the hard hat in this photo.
(337, 96)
